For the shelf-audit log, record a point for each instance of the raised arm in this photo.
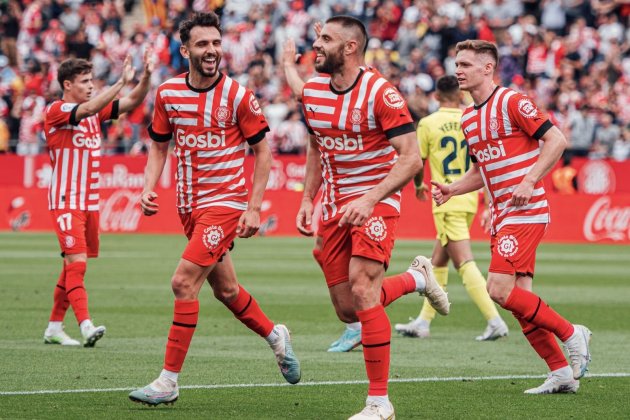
(137, 95)
(100, 101)
(294, 80)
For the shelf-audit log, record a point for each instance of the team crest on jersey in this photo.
(494, 124)
(222, 114)
(527, 108)
(376, 229)
(356, 117)
(254, 106)
(212, 236)
(70, 241)
(507, 246)
(393, 99)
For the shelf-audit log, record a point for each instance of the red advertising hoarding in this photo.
(24, 181)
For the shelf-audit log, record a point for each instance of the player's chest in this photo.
(85, 136)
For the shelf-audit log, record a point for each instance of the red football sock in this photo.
(317, 254)
(75, 290)
(533, 309)
(246, 309)
(545, 344)
(375, 336)
(397, 286)
(60, 299)
(185, 316)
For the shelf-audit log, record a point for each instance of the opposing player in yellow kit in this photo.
(442, 142)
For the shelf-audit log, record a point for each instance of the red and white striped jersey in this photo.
(352, 129)
(210, 128)
(502, 135)
(75, 155)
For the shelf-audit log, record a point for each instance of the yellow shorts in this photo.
(453, 226)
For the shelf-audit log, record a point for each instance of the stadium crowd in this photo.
(571, 56)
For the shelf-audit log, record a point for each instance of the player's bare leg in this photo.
(245, 308)
(186, 283)
(366, 278)
(341, 298)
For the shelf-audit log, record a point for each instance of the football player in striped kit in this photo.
(362, 152)
(503, 129)
(212, 119)
(72, 127)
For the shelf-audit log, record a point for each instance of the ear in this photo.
(351, 47)
(184, 51)
(67, 84)
(489, 67)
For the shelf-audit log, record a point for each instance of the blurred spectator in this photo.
(564, 178)
(571, 56)
(291, 135)
(621, 147)
(582, 131)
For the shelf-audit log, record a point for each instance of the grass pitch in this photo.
(231, 373)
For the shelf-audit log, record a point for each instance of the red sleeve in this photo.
(525, 114)
(391, 112)
(251, 120)
(59, 113)
(110, 112)
(160, 129)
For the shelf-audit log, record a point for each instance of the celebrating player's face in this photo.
(329, 49)
(80, 89)
(204, 50)
(470, 69)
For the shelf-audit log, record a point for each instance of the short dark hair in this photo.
(209, 19)
(479, 46)
(352, 22)
(71, 68)
(447, 84)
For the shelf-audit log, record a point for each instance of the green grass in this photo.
(130, 293)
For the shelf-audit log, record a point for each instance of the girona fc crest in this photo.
(376, 229)
(70, 241)
(393, 99)
(527, 108)
(356, 117)
(254, 106)
(494, 124)
(507, 246)
(212, 236)
(222, 114)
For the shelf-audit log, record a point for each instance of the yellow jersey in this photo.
(442, 142)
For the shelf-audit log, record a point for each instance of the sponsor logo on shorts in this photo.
(212, 236)
(507, 246)
(376, 229)
(70, 241)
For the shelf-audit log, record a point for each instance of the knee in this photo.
(182, 286)
(346, 315)
(498, 292)
(226, 293)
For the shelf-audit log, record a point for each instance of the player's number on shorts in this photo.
(65, 221)
(453, 155)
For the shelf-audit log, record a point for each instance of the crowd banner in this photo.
(603, 216)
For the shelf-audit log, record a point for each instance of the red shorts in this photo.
(210, 233)
(513, 249)
(77, 231)
(374, 240)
